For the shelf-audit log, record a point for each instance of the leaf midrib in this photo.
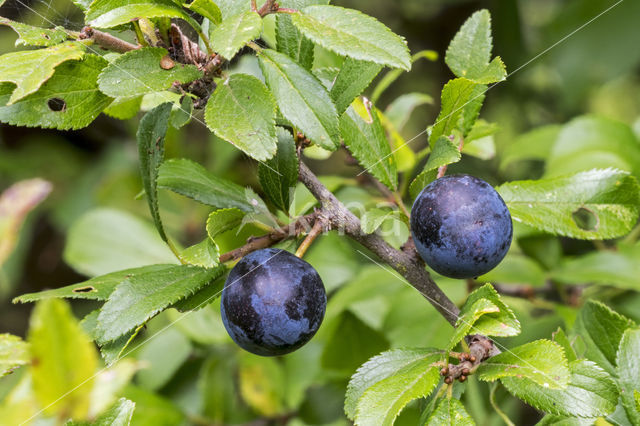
(281, 72)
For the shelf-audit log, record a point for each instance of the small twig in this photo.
(288, 231)
(106, 40)
(317, 229)
(270, 6)
(286, 10)
(254, 6)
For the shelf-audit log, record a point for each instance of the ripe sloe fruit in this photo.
(272, 302)
(461, 226)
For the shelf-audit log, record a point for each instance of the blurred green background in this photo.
(595, 70)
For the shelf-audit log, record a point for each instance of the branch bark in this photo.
(408, 264)
(106, 40)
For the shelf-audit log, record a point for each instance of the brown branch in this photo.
(480, 349)
(270, 6)
(407, 264)
(106, 40)
(291, 230)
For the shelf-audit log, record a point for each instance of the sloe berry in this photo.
(461, 226)
(272, 302)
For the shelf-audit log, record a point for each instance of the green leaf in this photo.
(542, 361)
(111, 13)
(293, 44)
(205, 254)
(107, 240)
(231, 8)
(601, 329)
(351, 33)
(202, 297)
(620, 268)
(365, 138)
(550, 419)
(354, 77)
(628, 372)
(29, 69)
(111, 351)
(372, 219)
(494, 72)
(301, 98)
(480, 130)
(381, 403)
(381, 367)
(591, 392)
(455, 97)
(469, 53)
(597, 204)
(261, 383)
(243, 112)
(14, 352)
(98, 288)
(450, 412)
(533, 145)
(35, 36)
(444, 152)
(561, 338)
(471, 109)
(181, 114)
(235, 32)
(351, 343)
(468, 317)
(151, 132)
(399, 111)
(152, 409)
(207, 9)
(503, 323)
(138, 72)
(591, 142)
(190, 179)
(15, 204)
(402, 152)
(124, 108)
(140, 297)
(223, 220)
(65, 360)
(516, 269)
(164, 355)
(70, 99)
(279, 175)
(119, 414)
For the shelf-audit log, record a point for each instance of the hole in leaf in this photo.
(586, 219)
(46, 36)
(87, 289)
(56, 104)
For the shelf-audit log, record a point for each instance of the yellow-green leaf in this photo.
(64, 360)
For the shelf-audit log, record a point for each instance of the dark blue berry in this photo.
(272, 302)
(461, 226)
